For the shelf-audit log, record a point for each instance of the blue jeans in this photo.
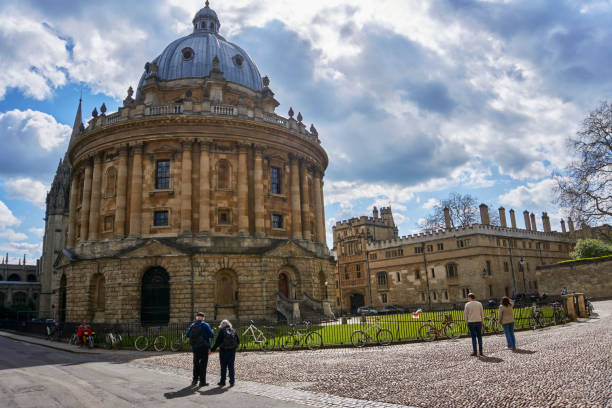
(509, 332)
(476, 332)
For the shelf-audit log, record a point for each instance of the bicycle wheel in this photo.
(261, 341)
(427, 332)
(384, 337)
(492, 326)
(359, 338)
(108, 342)
(73, 340)
(313, 341)
(270, 343)
(289, 342)
(90, 342)
(159, 344)
(452, 331)
(176, 345)
(141, 343)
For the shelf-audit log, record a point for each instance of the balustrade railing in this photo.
(226, 110)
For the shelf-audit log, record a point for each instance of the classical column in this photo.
(136, 191)
(243, 191)
(259, 192)
(305, 202)
(322, 218)
(319, 230)
(86, 200)
(186, 188)
(121, 192)
(296, 212)
(72, 221)
(204, 186)
(96, 186)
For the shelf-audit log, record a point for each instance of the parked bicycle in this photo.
(491, 324)
(588, 306)
(428, 331)
(536, 318)
(112, 340)
(179, 343)
(54, 332)
(253, 335)
(383, 337)
(559, 314)
(311, 339)
(74, 339)
(158, 342)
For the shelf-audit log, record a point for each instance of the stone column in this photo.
(186, 188)
(86, 200)
(484, 214)
(305, 202)
(527, 222)
(319, 230)
(502, 217)
(563, 226)
(533, 222)
(259, 193)
(296, 212)
(72, 221)
(243, 191)
(447, 218)
(323, 236)
(204, 186)
(122, 171)
(512, 218)
(96, 185)
(136, 191)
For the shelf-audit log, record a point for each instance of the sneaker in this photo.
(507, 348)
(474, 354)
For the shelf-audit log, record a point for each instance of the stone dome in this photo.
(192, 56)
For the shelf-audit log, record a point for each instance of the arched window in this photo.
(98, 292)
(225, 288)
(111, 182)
(451, 270)
(382, 278)
(31, 278)
(14, 278)
(155, 296)
(223, 175)
(19, 298)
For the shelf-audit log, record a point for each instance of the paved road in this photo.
(35, 376)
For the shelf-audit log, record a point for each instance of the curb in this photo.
(25, 339)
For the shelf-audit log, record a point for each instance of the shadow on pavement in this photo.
(487, 359)
(214, 391)
(184, 392)
(524, 351)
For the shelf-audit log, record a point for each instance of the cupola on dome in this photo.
(192, 56)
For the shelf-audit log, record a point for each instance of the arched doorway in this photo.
(356, 302)
(283, 284)
(155, 297)
(62, 300)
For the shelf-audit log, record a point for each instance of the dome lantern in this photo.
(206, 20)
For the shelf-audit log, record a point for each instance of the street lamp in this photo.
(522, 262)
(326, 289)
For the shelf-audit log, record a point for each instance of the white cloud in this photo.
(538, 194)
(27, 189)
(7, 219)
(431, 203)
(12, 235)
(38, 233)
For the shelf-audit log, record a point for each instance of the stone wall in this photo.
(593, 278)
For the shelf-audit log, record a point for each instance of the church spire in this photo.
(78, 124)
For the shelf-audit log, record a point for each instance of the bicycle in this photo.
(158, 342)
(73, 340)
(112, 340)
(588, 307)
(179, 344)
(536, 318)
(253, 335)
(295, 337)
(428, 331)
(559, 315)
(383, 337)
(491, 324)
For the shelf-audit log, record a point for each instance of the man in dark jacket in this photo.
(199, 334)
(227, 341)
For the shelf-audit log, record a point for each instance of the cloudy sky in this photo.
(412, 99)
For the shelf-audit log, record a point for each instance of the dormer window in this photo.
(238, 59)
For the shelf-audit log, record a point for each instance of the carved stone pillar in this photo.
(121, 192)
(305, 202)
(259, 192)
(136, 192)
(296, 212)
(96, 186)
(86, 200)
(186, 188)
(319, 230)
(204, 186)
(72, 219)
(243, 191)
(322, 218)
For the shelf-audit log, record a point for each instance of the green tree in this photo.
(590, 248)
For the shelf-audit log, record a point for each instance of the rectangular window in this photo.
(275, 180)
(277, 221)
(399, 278)
(506, 267)
(459, 244)
(429, 248)
(162, 174)
(373, 256)
(109, 222)
(465, 292)
(417, 274)
(357, 267)
(440, 247)
(418, 250)
(346, 276)
(224, 217)
(433, 273)
(445, 295)
(435, 296)
(489, 268)
(160, 219)
(358, 274)
(400, 252)
(383, 297)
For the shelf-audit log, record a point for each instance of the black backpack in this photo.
(196, 337)
(230, 339)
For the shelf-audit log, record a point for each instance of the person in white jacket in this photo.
(474, 317)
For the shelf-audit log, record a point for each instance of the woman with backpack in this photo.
(227, 341)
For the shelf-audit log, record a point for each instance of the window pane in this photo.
(161, 218)
(162, 176)
(275, 180)
(277, 221)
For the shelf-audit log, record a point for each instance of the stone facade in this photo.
(592, 277)
(196, 181)
(19, 283)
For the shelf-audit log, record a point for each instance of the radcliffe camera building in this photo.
(194, 195)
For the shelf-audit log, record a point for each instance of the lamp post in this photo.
(426, 275)
(512, 267)
(522, 262)
(326, 290)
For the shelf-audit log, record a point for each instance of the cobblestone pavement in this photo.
(559, 366)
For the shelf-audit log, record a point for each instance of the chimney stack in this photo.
(563, 225)
(527, 222)
(570, 224)
(512, 218)
(447, 218)
(502, 217)
(545, 222)
(534, 227)
(375, 212)
(484, 214)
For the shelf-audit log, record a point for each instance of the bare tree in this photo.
(464, 211)
(586, 188)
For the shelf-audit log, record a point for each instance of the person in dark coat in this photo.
(199, 334)
(227, 341)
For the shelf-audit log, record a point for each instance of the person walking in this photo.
(227, 341)
(506, 319)
(199, 334)
(474, 317)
